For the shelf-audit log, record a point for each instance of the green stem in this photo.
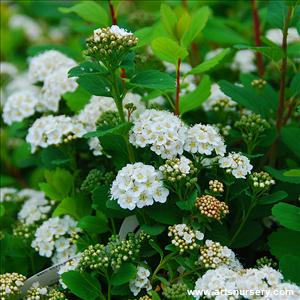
(117, 96)
(162, 263)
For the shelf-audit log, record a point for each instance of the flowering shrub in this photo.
(150, 150)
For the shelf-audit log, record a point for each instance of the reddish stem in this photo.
(123, 75)
(177, 87)
(113, 13)
(256, 23)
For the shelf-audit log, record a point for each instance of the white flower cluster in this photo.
(70, 265)
(53, 130)
(204, 139)
(7, 194)
(218, 100)
(236, 164)
(224, 278)
(162, 130)
(55, 238)
(51, 67)
(138, 185)
(244, 61)
(114, 29)
(182, 164)
(20, 105)
(35, 208)
(275, 35)
(141, 281)
(31, 29)
(8, 68)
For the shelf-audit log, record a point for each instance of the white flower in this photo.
(141, 281)
(199, 235)
(7, 194)
(53, 130)
(236, 164)
(204, 139)
(34, 209)
(138, 185)
(218, 100)
(161, 130)
(46, 63)
(53, 238)
(8, 68)
(20, 105)
(275, 35)
(31, 29)
(68, 266)
(114, 29)
(211, 54)
(55, 85)
(244, 61)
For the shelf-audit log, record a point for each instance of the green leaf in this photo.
(77, 100)
(288, 135)
(153, 79)
(87, 68)
(183, 24)
(289, 265)
(168, 18)
(292, 172)
(197, 24)
(59, 184)
(168, 50)
(275, 197)
(274, 53)
(295, 85)
(153, 229)
(124, 274)
(279, 175)
(82, 285)
(89, 11)
(287, 215)
(96, 85)
(211, 63)
(94, 224)
(121, 129)
(247, 97)
(159, 213)
(189, 203)
(277, 11)
(284, 242)
(197, 97)
(154, 295)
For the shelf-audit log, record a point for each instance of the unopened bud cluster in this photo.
(213, 255)
(175, 291)
(10, 285)
(251, 126)
(96, 177)
(216, 186)
(223, 104)
(108, 118)
(116, 252)
(130, 107)
(211, 207)
(261, 180)
(179, 169)
(223, 129)
(110, 44)
(266, 261)
(24, 231)
(93, 258)
(184, 237)
(43, 293)
(145, 297)
(258, 83)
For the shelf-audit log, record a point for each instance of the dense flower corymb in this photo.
(236, 164)
(204, 139)
(53, 130)
(138, 185)
(161, 130)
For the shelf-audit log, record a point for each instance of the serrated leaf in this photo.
(168, 50)
(287, 215)
(211, 63)
(272, 198)
(194, 99)
(153, 79)
(82, 285)
(124, 274)
(89, 11)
